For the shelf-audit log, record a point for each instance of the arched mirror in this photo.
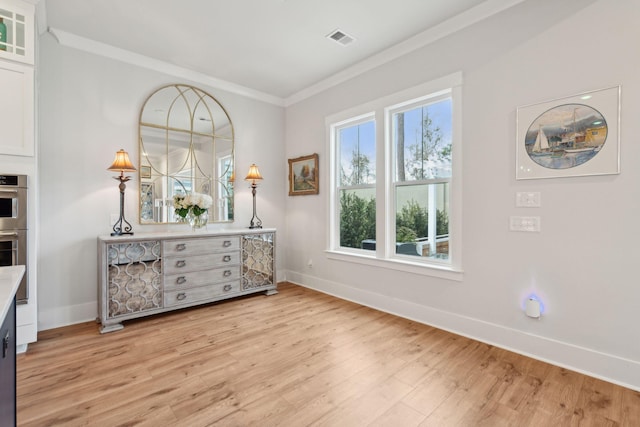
(186, 147)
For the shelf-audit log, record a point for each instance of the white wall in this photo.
(88, 109)
(582, 263)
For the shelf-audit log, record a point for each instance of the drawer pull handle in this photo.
(226, 288)
(180, 280)
(181, 247)
(226, 258)
(227, 273)
(181, 263)
(226, 243)
(181, 296)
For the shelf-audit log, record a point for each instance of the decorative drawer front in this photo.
(201, 293)
(178, 265)
(185, 247)
(200, 278)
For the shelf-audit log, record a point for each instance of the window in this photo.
(421, 146)
(225, 188)
(356, 150)
(400, 207)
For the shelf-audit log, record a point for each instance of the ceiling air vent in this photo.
(341, 37)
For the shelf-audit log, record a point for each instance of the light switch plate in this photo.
(524, 223)
(528, 199)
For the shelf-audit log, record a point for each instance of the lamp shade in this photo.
(122, 163)
(254, 174)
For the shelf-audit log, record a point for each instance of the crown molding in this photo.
(445, 28)
(97, 48)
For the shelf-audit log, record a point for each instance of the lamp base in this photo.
(255, 221)
(122, 226)
(122, 233)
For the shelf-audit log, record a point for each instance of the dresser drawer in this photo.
(201, 293)
(197, 246)
(178, 265)
(199, 278)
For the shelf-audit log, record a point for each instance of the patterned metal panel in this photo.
(134, 276)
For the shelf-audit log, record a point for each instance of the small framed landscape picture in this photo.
(303, 175)
(145, 172)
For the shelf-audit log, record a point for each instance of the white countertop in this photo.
(10, 278)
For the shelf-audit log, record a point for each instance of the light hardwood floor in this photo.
(295, 359)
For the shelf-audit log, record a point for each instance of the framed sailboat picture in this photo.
(573, 136)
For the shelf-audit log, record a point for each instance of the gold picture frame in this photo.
(145, 172)
(304, 175)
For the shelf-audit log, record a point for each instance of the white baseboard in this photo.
(65, 316)
(607, 367)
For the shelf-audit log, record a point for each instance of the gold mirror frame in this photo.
(186, 143)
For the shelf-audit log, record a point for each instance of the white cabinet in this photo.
(17, 53)
(152, 273)
(16, 109)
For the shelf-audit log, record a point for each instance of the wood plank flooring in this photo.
(298, 358)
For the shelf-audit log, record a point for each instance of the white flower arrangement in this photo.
(196, 203)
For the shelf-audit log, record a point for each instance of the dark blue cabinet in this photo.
(8, 369)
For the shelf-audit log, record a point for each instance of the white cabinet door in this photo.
(16, 109)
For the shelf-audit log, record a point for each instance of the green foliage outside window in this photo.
(405, 235)
(358, 221)
(416, 218)
(413, 217)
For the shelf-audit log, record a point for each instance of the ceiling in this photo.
(275, 47)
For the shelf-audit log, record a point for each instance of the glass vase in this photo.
(198, 221)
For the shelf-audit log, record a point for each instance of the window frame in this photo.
(335, 184)
(394, 184)
(381, 111)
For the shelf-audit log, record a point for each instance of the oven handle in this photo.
(9, 234)
(8, 191)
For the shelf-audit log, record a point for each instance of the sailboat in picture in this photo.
(541, 147)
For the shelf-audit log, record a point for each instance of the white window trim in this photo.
(390, 156)
(378, 109)
(334, 212)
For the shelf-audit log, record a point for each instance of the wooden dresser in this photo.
(151, 273)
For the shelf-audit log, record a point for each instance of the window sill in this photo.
(400, 264)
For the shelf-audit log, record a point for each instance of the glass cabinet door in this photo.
(16, 31)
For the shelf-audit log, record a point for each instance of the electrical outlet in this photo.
(524, 223)
(310, 263)
(528, 199)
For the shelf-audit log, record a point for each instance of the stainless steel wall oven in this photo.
(13, 227)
